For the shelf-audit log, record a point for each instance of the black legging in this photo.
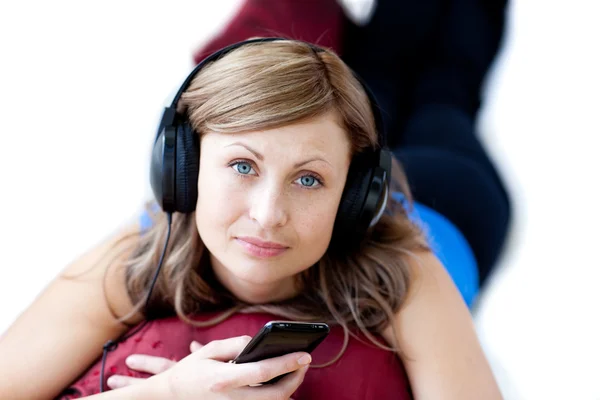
(427, 82)
(449, 171)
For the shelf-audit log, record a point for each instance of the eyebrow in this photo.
(261, 158)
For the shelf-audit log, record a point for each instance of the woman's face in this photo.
(267, 202)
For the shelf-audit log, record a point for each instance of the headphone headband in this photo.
(171, 113)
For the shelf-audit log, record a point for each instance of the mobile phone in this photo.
(277, 338)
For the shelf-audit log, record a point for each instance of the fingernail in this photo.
(114, 382)
(133, 361)
(195, 346)
(304, 360)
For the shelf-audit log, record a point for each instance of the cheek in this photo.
(218, 207)
(315, 230)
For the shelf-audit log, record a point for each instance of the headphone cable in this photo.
(112, 345)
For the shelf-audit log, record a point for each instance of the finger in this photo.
(280, 390)
(262, 371)
(285, 387)
(195, 346)
(150, 364)
(119, 381)
(224, 350)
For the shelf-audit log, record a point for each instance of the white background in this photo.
(82, 85)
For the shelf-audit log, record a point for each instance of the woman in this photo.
(283, 128)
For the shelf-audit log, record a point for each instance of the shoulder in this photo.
(106, 266)
(436, 336)
(432, 298)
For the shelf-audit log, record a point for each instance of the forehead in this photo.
(321, 134)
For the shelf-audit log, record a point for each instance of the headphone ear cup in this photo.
(347, 229)
(157, 170)
(187, 160)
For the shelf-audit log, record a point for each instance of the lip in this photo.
(261, 243)
(260, 248)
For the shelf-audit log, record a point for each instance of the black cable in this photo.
(112, 345)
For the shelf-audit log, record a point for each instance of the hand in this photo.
(145, 363)
(207, 374)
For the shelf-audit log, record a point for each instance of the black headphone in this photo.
(176, 155)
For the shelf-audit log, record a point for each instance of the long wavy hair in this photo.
(256, 87)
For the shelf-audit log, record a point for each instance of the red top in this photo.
(363, 372)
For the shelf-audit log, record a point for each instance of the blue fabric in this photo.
(446, 241)
(450, 246)
(145, 221)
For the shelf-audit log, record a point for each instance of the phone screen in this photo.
(277, 338)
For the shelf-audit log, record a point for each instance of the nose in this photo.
(268, 206)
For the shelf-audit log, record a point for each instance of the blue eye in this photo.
(242, 167)
(309, 181)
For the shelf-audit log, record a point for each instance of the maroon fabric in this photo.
(314, 21)
(363, 372)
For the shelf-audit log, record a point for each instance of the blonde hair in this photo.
(261, 86)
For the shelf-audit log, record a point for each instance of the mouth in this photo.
(260, 248)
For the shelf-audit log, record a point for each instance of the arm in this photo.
(150, 389)
(63, 330)
(143, 391)
(440, 348)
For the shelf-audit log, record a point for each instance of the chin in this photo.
(258, 272)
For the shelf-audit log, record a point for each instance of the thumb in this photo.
(195, 346)
(226, 349)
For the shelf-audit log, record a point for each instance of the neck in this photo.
(252, 292)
